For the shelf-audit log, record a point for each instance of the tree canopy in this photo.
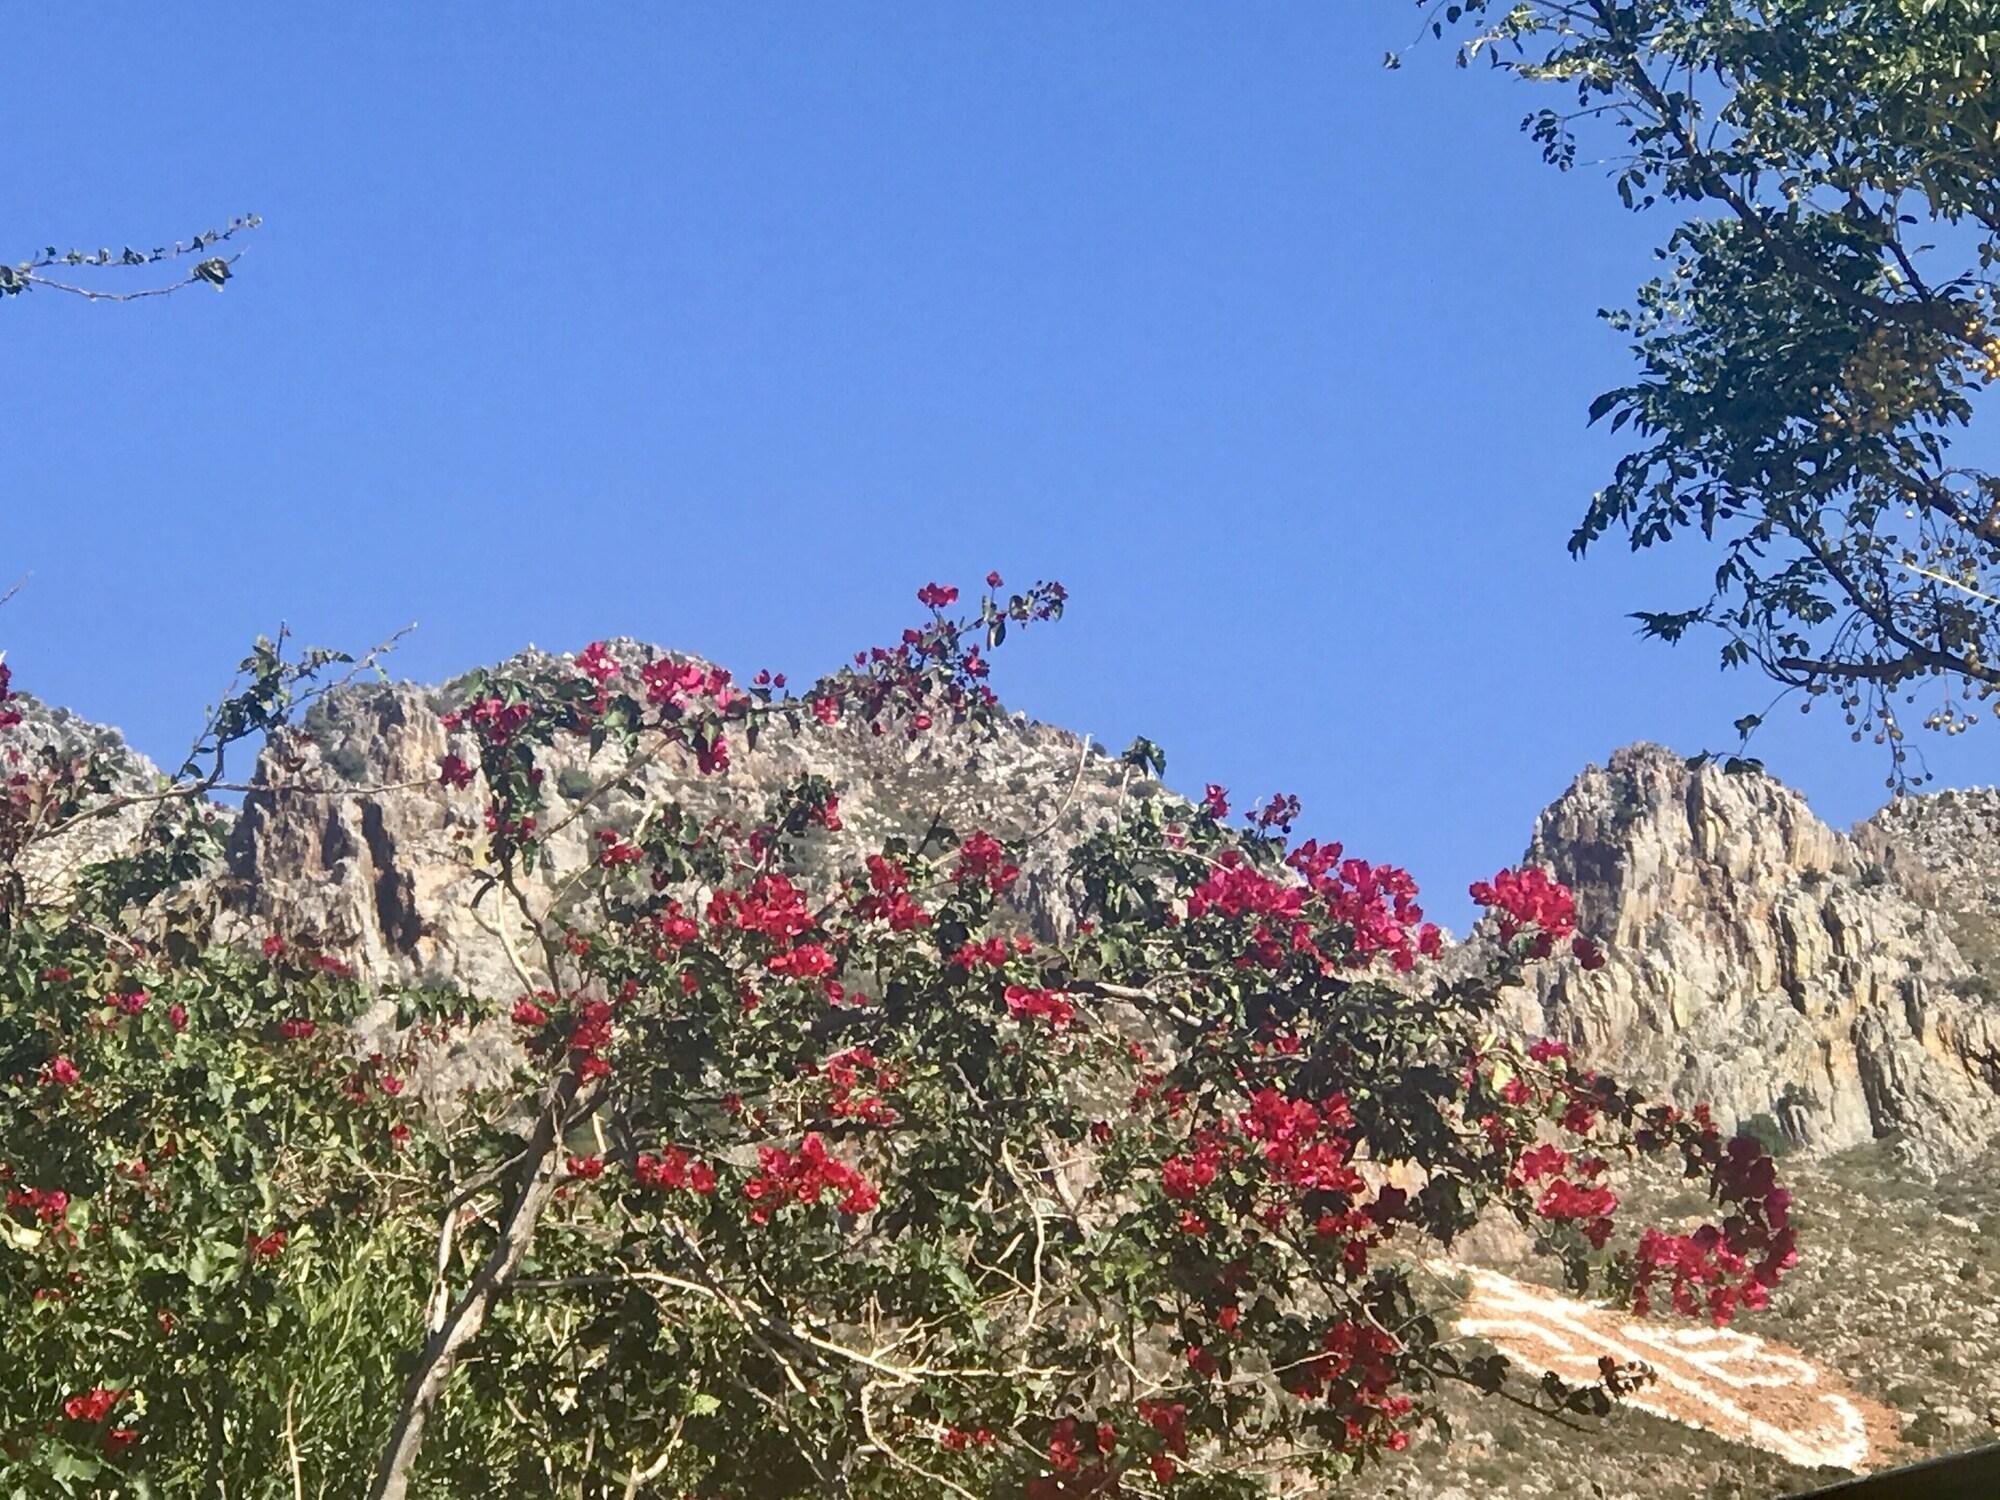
(1812, 354)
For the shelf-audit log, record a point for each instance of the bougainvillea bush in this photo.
(803, 1186)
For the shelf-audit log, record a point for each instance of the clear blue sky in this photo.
(729, 326)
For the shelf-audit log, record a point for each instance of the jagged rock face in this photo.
(1944, 849)
(1758, 960)
(47, 735)
(382, 877)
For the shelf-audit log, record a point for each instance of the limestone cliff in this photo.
(1944, 850)
(46, 737)
(1764, 962)
(380, 877)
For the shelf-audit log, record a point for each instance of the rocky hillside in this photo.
(1944, 850)
(1839, 993)
(1837, 989)
(377, 875)
(1797, 978)
(45, 737)
(1764, 962)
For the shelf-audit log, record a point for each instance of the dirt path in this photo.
(1735, 1385)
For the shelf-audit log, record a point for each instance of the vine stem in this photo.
(535, 1186)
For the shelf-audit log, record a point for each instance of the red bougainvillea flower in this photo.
(1279, 813)
(1529, 900)
(50, 1205)
(1051, 1006)
(805, 1176)
(92, 1406)
(269, 1246)
(937, 595)
(672, 1170)
(983, 857)
(453, 771)
(807, 961)
(60, 1072)
(712, 756)
(596, 663)
(274, 946)
(1215, 801)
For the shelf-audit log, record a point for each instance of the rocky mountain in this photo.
(1944, 850)
(45, 736)
(323, 857)
(1764, 962)
(1837, 989)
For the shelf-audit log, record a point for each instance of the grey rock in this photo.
(382, 877)
(1760, 961)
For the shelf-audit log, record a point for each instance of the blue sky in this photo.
(728, 327)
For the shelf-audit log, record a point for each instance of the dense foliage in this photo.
(804, 1184)
(1825, 323)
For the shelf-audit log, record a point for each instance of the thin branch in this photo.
(197, 277)
(292, 1447)
(540, 1175)
(889, 1451)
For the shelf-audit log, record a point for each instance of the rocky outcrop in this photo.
(44, 738)
(350, 844)
(1944, 849)
(1844, 986)
(1763, 962)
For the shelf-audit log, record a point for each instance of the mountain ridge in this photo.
(1835, 987)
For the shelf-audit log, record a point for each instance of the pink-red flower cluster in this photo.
(888, 898)
(1733, 1263)
(671, 1170)
(93, 1405)
(807, 961)
(981, 857)
(1355, 1374)
(993, 953)
(1532, 900)
(805, 1176)
(1052, 1006)
(49, 1205)
(1376, 903)
(772, 906)
(60, 1073)
(855, 1083)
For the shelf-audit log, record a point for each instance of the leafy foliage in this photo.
(800, 1187)
(1825, 323)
